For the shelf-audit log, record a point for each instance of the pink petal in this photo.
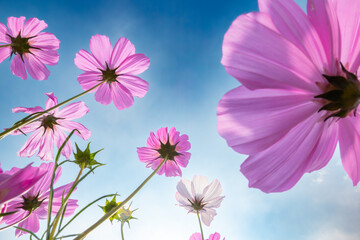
(196, 236)
(121, 96)
(292, 23)
(86, 62)
(349, 22)
(18, 67)
(59, 138)
(349, 139)
(4, 53)
(271, 63)
(15, 25)
(215, 236)
(33, 26)
(147, 155)
(103, 93)
(198, 184)
(242, 122)
(123, 48)
(184, 189)
(212, 190)
(45, 40)
(52, 100)
(323, 17)
(36, 69)
(46, 148)
(183, 159)
(3, 32)
(172, 169)
(88, 80)
(162, 134)
(70, 125)
(305, 148)
(134, 84)
(47, 56)
(101, 48)
(174, 136)
(27, 110)
(207, 216)
(27, 129)
(32, 224)
(73, 111)
(32, 144)
(153, 142)
(134, 64)
(43, 185)
(58, 194)
(183, 145)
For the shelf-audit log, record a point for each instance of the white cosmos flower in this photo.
(200, 196)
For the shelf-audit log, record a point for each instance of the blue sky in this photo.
(183, 41)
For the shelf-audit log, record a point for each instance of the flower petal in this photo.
(33, 26)
(349, 139)
(87, 62)
(73, 111)
(134, 64)
(252, 121)
(183, 159)
(103, 94)
(3, 31)
(323, 17)
(292, 23)
(89, 80)
(18, 67)
(349, 23)
(198, 185)
(32, 144)
(172, 169)
(305, 148)
(47, 56)
(184, 189)
(45, 40)
(121, 96)
(46, 148)
(153, 142)
(36, 69)
(123, 48)
(101, 48)
(32, 224)
(59, 138)
(52, 100)
(15, 25)
(207, 216)
(147, 155)
(134, 84)
(71, 125)
(196, 236)
(274, 63)
(4, 53)
(28, 110)
(162, 134)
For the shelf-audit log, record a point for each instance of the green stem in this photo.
(116, 209)
(5, 45)
(63, 204)
(37, 115)
(122, 230)
(202, 233)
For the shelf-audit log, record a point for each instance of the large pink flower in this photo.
(197, 236)
(36, 201)
(170, 144)
(48, 130)
(200, 196)
(300, 90)
(17, 183)
(117, 67)
(31, 47)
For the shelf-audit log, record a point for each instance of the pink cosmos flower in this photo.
(36, 201)
(117, 67)
(170, 144)
(197, 236)
(31, 47)
(200, 196)
(300, 90)
(48, 130)
(13, 185)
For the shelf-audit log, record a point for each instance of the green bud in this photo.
(86, 158)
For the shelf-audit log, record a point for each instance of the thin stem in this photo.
(28, 231)
(63, 204)
(5, 45)
(37, 115)
(202, 233)
(122, 230)
(116, 209)
(21, 220)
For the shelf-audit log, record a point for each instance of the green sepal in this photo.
(86, 158)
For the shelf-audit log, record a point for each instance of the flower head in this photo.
(31, 47)
(35, 201)
(18, 183)
(116, 67)
(197, 236)
(122, 215)
(200, 197)
(170, 145)
(300, 90)
(48, 130)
